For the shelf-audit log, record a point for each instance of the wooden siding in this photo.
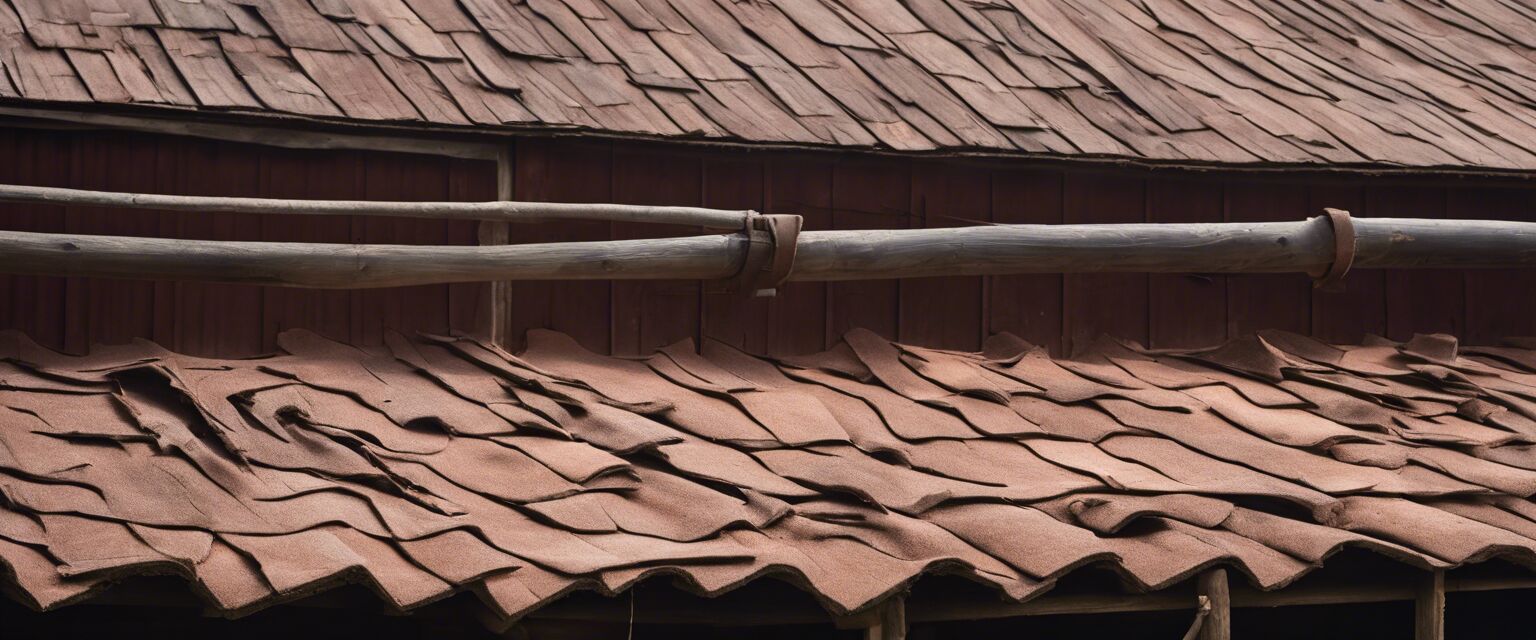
(228, 320)
(832, 191)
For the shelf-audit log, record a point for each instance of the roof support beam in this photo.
(492, 234)
(1429, 607)
(272, 135)
(891, 624)
(1212, 586)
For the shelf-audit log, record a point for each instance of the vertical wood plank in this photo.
(890, 622)
(797, 317)
(1218, 623)
(1028, 306)
(405, 309)
(1185, 310)
(492, 321)
(736, 318)
(1500, 303)
(1419, 300)
(110, 311)
(211, 319)
(34, 304)
(1104, 303)
(288, 173)
(649, 314)
(867, 194)
(1347, 316)
(562, 171)
(1429, 607)
(480, 308)
(1267, 301)
(945, 312)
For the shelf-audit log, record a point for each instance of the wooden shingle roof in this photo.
(437, 464)
(1400, 83)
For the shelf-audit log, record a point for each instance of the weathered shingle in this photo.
(437, 464)
(1404, 83)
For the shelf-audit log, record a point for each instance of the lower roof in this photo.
(1338, 83)
(438, 464)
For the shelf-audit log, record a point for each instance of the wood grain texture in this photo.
(1426, 87)
(1429, 606)
(1187, 309)
(1099, 304)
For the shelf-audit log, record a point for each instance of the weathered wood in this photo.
(501, 211)
(362, 266)
(1202, 611)
(493, 234)
(1212, 586)
(1429, 607)
(183, 124)
(891, 623)
(1264, 247)
(823, 255)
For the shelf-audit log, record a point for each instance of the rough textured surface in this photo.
(438, 464)
(1413, 83)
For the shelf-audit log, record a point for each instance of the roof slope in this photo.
(437, 464)
(1410, 83)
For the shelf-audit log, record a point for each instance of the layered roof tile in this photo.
(437, 464)
(1405, 83)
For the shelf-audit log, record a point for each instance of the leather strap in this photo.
(1344, 244)
(771, 245)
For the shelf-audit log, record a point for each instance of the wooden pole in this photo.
(890, 622)
(1429, 607)
(1267, 247)
(1272, 247)
(498, 211)
(1213, 587)
(499, 233)
(362, 266)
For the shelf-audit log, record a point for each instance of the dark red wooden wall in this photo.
(842, 191)
(229, 320)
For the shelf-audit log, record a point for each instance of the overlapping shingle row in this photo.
(1414, 83)
(440, 464)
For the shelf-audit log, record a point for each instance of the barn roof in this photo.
(437, 464)
(1403, 83)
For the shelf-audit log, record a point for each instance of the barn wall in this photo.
(845, 191)
(228, 320)
(832, 191)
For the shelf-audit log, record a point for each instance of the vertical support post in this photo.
(1218, 623)
(890, 622)
(1429, 607)
(493, 233)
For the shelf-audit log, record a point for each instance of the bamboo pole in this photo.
(1273, 247)
(498, 211)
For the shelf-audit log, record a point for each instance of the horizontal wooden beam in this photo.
(365, 266)
(270, 133)
(1273, 247)
(495, 211)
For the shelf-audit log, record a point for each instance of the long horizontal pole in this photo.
(497, 211)
(1271, 247)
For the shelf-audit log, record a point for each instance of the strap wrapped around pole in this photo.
(1345, 244)
(772, 241)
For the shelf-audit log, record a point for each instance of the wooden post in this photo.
(1429, 607)
(494, 233)
(890, 622)
(1218, 623)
